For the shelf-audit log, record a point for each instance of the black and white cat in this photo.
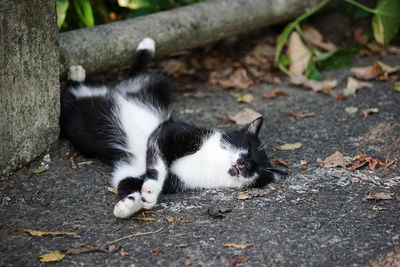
(129, 126)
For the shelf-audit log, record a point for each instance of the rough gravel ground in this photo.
(310, 218)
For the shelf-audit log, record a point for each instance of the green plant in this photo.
(385, 24)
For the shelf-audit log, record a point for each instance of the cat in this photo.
(129, 126)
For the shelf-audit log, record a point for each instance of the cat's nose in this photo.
(143, 199)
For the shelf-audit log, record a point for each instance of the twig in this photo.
(132, 235)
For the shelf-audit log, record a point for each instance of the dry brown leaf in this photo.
(362, 160)
(245, 98)
(52, 256)
(298, 53)
(379, 196)
(211, 63)
(315, 38)
(334, 160)
(175, 67)
(293, 146)
(112, 190)
(170, 219)
(183, 245)
(376, 207)
(238, 80)
(342, 97)
(241, 246)
(243, 195)
(156, 251)
(298, 115)
(355, 84)
(281, 162)
(379, 70)
(368, 111)
(244, 117)
(389, 163)
(303, 162)
(274, 94)
(316, 86)
(38, 233)
(277, 187)
(239, 260)
(143, 218)
(360, 36)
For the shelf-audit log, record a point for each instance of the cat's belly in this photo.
(208, 167)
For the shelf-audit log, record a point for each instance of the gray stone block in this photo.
(29, 80)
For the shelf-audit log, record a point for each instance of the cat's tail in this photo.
(143, 55)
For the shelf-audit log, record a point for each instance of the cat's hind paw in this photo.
(150, 192)
(76, 73)
(147, 44)
(128, 206)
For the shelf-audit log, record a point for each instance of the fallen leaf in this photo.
(277, 187)
(38, 233)
(274, 94)
(243, 195)
(379, 196)
(351, 109)
(355, 84)
(378, 70)
(376, 207)
(234, 245)
(298, 115)
(298, 53)
(389, 163)
(211, 63)
(281, 162)
(315, 38)
(316, 86)
(360, 36)
(334, 160)
(156, 251)
(123, 253)
(293, 146)
(342, 97)
(396, 86)
(143, 218)
(170, 219)
(183, 245)
(239, 260)
(245, 116)
(368, 111)
(39, 170)
(112, 190)
(362, 160)
(238, 80)
(245, 98)
(52, 256)
(304, 167)
(218, 211)
(303, 162)
(175, 67)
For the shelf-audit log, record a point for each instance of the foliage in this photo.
(385, 24)
(74, 14)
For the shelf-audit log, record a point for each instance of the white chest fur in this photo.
(208, 167)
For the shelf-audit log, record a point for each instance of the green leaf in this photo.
(39, 170)
(339, 58)
(312, 72)
(385, 23)
(61, 6)
(284, 61)
(84, 10)
(135, 4)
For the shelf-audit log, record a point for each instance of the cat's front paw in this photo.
(150, 192)
(128, 206)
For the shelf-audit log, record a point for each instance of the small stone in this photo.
(336, 174)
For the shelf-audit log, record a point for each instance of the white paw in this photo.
(128, 206)
(76, 73)
(147, 44)
(150, 191)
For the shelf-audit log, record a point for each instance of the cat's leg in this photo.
(153, 183)
(143, 55)
(128, 181)
(76, 74)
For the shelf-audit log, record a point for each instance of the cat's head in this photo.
(252, 162)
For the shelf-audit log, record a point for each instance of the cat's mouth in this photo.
(235, 170)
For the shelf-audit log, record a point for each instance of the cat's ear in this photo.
(255, 126)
